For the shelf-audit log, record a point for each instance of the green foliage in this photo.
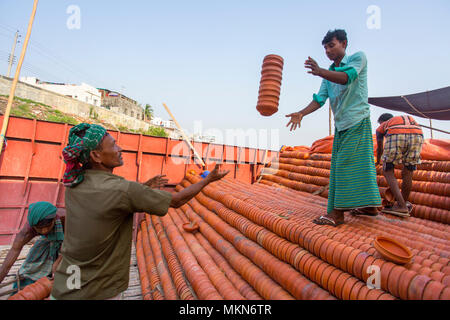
(148, 111)
(156, 131)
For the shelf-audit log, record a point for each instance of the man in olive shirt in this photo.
(100, 205)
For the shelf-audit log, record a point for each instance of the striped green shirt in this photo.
(349, 102)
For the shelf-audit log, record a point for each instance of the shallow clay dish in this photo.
(190, 227)
(392, 250)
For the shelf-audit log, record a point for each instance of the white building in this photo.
(83, 92)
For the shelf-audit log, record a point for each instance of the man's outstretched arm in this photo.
(180, 198)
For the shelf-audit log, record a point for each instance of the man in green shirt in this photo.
(100, 205)
(353, 186)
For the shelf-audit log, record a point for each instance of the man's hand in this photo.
(216, 174)
(312, 64)
(156, 182)
(296, 119)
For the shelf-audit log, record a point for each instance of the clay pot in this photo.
(274, 57)
(392, 250)
(355, 290)
(266, 109)
(394, 280)
(359, 263)
(271, 75)
(190, 227)
(433, 290)
(347, 288)
(404, 283)
(269, 92)
(271, 69)
(272, 62)
(263, 87)
(271, 83)
(417, 287)
(340, 282)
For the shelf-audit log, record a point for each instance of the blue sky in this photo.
(203, 58)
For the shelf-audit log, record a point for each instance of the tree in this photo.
(148, 111)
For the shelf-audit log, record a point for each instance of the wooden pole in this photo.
(184, 136)
(12, 91)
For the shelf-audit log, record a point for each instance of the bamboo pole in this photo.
(184, 136)
(12, 91)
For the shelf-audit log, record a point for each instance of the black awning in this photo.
(433, 104)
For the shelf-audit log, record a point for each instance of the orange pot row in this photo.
(176, 270)
(143, 276)
(264, 285)
(168, 287)
(38, 290)
(357, 266)
(218, 279)
(197, 277)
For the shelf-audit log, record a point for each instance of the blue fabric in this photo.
(348, 102)
(38, 211)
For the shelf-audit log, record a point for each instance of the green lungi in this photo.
(353, 179)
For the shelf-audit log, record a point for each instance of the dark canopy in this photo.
(433, 104)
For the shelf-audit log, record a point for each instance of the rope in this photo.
(414, 108)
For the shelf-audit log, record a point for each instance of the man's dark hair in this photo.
(339, 34)
(385, 117)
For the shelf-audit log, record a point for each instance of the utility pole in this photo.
(11, 57)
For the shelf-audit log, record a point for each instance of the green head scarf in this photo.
(78, 150)
(38, 211)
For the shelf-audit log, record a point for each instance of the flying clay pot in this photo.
(270, 85)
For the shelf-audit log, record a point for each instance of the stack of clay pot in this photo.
(38, 290)
(269, 88)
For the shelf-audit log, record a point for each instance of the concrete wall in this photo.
(70, 105)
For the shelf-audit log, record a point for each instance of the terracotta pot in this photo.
(266, 109)
(332, 280)
(263, 87)
(340, 281)
(404, 283)
(392, 250)
(270, 82)
(268, 99)
(354, 293)
(273, 57)
(359, 263)
(348, 286)
(326, 276)
(363, 292)
(394, 280)
(269, 92)
(271, 69)
(417, 287)
(369, 261)
(374, 294)
(351, 260)
(271, 75)
(433, 290)
(275, 63)
(344, 258)
(191, 227)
